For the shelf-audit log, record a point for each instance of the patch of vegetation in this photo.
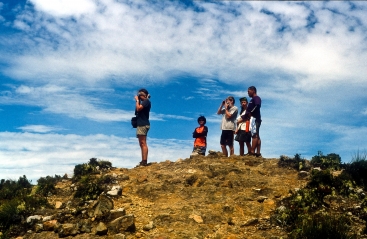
(358, 169)
(303, 214)
(92, 167)
(46, 185)
(296, 162)
(90, 187)
(331, 161)
(16, 203)
(90, 184)
(323, 226)
(10, 189)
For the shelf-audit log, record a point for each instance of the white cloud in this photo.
(36, 155)
(129, 42)
(39, 128)
(65, 8)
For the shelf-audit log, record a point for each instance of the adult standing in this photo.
(142, 109)
(228, 125)
(243, 129)
(253, 109)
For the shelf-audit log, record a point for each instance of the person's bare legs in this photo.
(224, 150)
(254, 144)
(248, 144)
(231, 150)
(242, 147)
(258, 147)
(143, 147)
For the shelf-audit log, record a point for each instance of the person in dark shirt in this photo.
(200, 134)
(253, 109)
(142, 109)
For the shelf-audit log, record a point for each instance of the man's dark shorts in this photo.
(227, 137)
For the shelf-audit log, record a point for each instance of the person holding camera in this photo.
(142, 109)
(228, 125)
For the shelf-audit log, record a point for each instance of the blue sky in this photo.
(69, 71)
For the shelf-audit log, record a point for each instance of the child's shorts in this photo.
(199, 150)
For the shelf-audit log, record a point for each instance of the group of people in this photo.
(246, 126)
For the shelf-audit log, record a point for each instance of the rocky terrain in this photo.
(199, 197)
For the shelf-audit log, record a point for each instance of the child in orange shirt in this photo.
(200, 134)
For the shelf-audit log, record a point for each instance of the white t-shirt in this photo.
(230, 123)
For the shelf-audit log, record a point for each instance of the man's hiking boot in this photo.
(142, 163)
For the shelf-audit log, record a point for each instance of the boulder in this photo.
(33, 219)
(251, 222)
(122, 224)
(50, 225)
(117, 213)
(59, 205)
(303, 174)
(197, 218)
(38, 227)
(67, 229)
(101, 208)
(148, 226)
(115, 191)
(261, 199)
(101, 229)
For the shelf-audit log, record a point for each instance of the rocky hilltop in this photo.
(198, 197)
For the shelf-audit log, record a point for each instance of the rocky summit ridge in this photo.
(198, 197)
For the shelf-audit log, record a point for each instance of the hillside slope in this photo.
(202, 197)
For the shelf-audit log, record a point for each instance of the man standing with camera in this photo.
(228, 125)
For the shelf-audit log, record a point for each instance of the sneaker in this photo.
(143, 163)
(258, 155)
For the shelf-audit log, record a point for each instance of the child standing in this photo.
(200, 134)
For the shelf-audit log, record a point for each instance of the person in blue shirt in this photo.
(253, 109)
(142, 109)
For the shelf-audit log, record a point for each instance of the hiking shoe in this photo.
(142, 163)
(258, 155)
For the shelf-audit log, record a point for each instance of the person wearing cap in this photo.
(244, 128)
(228, 125)
(142, 109)
(200, 134)
(253, 110)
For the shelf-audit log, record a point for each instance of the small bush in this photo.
(89, 187)
(296, 162)
(10, 189)
(92, 167)
(300, 203)
(46, 185)
(331, 161)
(358, 169)
(323, 226)
(9, 214)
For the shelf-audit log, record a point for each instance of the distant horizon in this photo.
(69, 72)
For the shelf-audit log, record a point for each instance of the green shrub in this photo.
(358, 169)
(92, 167)
(46, 185)
(89, 187)
(331, 161)
(9, 214)
(300, 203)
(296, 162)
(323, 226)
(10, 189)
